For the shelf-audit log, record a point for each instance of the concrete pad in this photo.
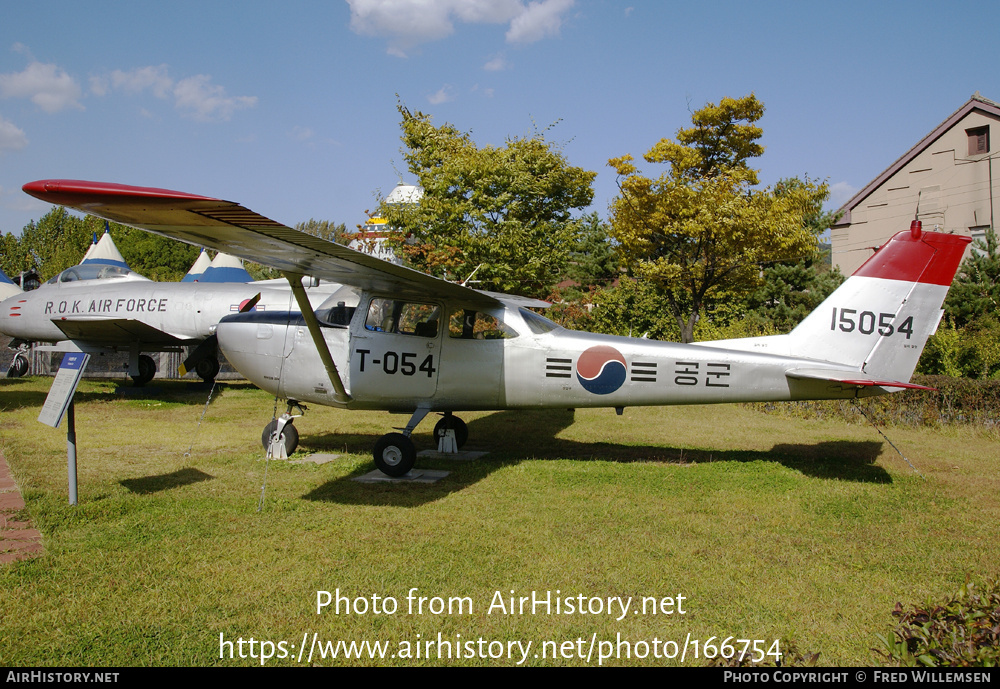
(461, 456)
(315, 458)
(414, 476)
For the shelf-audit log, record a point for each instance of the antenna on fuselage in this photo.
(466, 281)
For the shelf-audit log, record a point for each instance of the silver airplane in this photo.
(97, 308)
(411, 343)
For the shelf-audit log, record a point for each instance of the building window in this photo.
(979, 140)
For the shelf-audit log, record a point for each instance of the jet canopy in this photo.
(94, 271)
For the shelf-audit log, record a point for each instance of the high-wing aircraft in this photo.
(97, 307)
(415, 344)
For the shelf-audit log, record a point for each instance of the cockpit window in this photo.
(404, 318)
(338, 314)
(538, 324)
(90, 271)
(469, 324)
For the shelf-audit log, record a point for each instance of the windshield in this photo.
(538, 324)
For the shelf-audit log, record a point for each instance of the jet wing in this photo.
(229, 227)
(850, 378)
(112, 331)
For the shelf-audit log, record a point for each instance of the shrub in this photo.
(962, 632)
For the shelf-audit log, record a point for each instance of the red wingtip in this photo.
(67, 191)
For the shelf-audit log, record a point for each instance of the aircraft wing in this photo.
(850, 378)
(229, 227)
(110, 331)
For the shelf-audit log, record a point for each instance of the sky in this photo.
(291, 108)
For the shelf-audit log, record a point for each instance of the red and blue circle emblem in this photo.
(601, 370)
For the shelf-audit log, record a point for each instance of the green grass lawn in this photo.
(770, 527)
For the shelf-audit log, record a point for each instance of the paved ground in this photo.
(17, 539)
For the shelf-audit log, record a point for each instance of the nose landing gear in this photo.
(280, 437)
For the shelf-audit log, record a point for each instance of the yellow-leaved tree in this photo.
(703, 230)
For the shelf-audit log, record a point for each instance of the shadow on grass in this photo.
(513, 436)
(172, 391)
(155, 484)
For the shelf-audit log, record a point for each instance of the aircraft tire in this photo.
(207, 369)
(146, 372)
(289, 436)
(455, 424)
(18, 367)
(395, 454)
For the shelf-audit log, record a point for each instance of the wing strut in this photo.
(295, 280)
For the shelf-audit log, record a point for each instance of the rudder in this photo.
(880, 318)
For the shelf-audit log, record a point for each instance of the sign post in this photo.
(59, 403)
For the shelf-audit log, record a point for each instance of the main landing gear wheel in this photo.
(147, 369)
(449, 422)
(289, 436)
(207, 369)
(18, 366)
(395, 454)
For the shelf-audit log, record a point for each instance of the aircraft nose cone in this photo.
(254, 348)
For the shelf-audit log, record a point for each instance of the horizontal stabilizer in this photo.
(850, 378)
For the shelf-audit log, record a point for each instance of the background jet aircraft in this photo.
(417, 344)
(96, 307)
(7, 286)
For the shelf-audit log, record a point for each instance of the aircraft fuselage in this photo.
(526, 363)
(125, 312)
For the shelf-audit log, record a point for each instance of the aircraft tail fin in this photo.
(879, 320)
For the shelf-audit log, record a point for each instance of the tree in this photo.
(702, 231)
(592, 266)
(57, 241)
(507, 211)
(149, 255)
(789, 292)
(975, 291)
(967, 343)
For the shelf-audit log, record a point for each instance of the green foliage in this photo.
(507, 209)
(325, 229)
(967, 343)
(972, 351)
(13, 256)
(723, 138)
(632, 308)
(964, 631)
(593, 261)
(791, 291)
(149, 255)
(958, 401)
(592, 266)
(57, 241)
(702, 231)
(975, 292)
